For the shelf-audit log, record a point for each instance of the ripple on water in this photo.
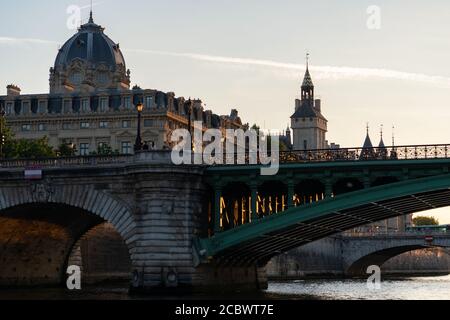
(419, 288)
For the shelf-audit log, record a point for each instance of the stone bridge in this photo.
(360, 252)
(193, 227)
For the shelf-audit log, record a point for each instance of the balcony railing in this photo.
(308, 156)
(368, 154)
(349, 154)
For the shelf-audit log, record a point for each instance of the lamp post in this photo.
(190, 124)
(138, 144)
(2, 135)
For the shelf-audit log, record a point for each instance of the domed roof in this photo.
(91, 45)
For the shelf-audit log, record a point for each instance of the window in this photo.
(66, 126)
(42, 127)
(127, 148)
(9, 108)
(41, 107)
(102, 77)
(148, 123)
(85, 105)
(103, 124)
(148, 102)
(84, 149)
(103, 104)
(305, 145)
(26, 127)
(26, 107)
(84, 125)
(76, 78)
(126, 124)
(127, 103)
(67, 106)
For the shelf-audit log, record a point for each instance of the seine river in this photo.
(421, 288)
(418, 288)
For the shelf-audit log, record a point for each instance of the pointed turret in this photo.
(367, 143)
(382, 151)
(307, 85)
(91, 19)
(367, 151)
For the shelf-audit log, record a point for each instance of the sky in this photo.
(387, 64)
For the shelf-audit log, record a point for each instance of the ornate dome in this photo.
(89, 60)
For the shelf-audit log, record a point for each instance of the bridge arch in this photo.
(359, 267)
(261, 240)
(40, 224)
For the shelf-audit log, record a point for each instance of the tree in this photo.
(28, 149)
(425, 221)
(66, 150)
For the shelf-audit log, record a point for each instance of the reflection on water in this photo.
(420, 288)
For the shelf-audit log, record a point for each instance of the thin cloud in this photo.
(323, 72)
(19, 41)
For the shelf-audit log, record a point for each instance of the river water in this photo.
(420, 288)
(417, 288)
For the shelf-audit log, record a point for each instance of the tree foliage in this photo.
(425, 221)
(22, 148)
(28, 149)
(66, 150)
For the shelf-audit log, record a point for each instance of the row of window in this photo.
(126, 124)
(85, 105)
(126, 148)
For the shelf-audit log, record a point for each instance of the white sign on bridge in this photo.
(33, 173)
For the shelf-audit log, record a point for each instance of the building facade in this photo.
(90, 103)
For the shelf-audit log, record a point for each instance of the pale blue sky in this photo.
(249, 55)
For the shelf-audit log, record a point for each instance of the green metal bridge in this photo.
(317, 194)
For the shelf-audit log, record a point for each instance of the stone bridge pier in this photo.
(155, 209)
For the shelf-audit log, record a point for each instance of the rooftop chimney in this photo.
(12, 90)
(318, 105)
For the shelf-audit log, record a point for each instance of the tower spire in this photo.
(393, 136)
(381, 146)
(307, 85)
(307, 60)
(91, 19)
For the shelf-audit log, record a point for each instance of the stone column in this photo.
(217, 205)
(254, 198)
(291, 193)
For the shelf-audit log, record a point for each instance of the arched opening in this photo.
(235, 206)
(272, 198)
(421, 262)
(378, 258)
(347, 185)
(309, 191)
(102, 256)
(39, 241)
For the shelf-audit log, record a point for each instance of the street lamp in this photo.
(2, 135)
(190, 124)
(138, 144)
